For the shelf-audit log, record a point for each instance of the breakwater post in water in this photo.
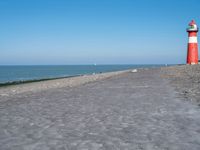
(192, 51)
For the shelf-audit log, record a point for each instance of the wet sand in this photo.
(140, 110)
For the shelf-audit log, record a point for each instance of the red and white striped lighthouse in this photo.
(192, 52)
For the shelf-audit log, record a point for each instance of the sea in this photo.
(21, 74)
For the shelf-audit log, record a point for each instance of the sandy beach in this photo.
(149, 109)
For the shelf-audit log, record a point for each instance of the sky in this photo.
(62, 32)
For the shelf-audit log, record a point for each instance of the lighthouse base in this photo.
(192, 54)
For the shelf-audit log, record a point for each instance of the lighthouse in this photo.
(192, 51)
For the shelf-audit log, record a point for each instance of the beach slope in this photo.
(131, 110)
(186, 81)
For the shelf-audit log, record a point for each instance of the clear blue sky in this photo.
(95, 31)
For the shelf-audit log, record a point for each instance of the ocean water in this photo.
(15, 74)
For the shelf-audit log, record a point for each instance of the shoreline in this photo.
(40, 85)
(29, 79)
(10, 83)
(184, 79)
(4, 84)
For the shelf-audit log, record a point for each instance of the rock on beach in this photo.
(186, 80)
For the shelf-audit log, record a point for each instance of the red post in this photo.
(192, 52)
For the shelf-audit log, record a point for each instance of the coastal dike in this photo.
(147, 109)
